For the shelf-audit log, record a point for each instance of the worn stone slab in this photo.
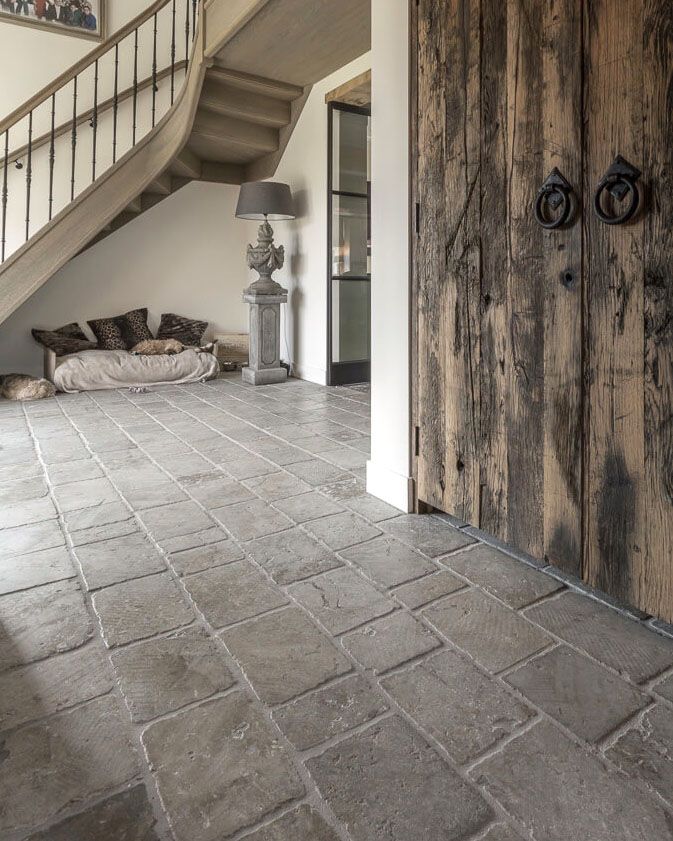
(307, 506)
(219, 492)
(248, 520)
(388, 642)
(232, 593)
(201, 558)
(426, 534)
(70, 757)
(588, 699)
(187, 467)
(620, 643)
(20, 572)
(645, 751)
(386, 783)
(74, 471)
(181, 542)
(96, 534)
(466, 711)
(284, 654)
(337, 708)
(428, 589)
(558, 791)
(278, 452)
(40, 689)
(144, 497)
(342, 530)
(500, 832)
(665, 688)
(316, 472)
(494, 635)
(87, 493)
(388, 561)
(292, 556)
(24, 490)
(304, 824)
(275, 486)
(124, 817)
(32, 538)
(219, 768)
(164, 674)
(100, 515)
(341, 600)
(173, 520)
(315, 444)
(371, 508)
(345, 457)
(140, 608)
(12, 472)
(26, 512)
(119, 559)
(42, 621)
(247, 466)
(502, 576)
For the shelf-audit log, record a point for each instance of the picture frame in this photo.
(78, 18)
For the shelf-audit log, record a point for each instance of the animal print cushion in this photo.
(133, 327)
(108, 333)
(186, 330)
(64, 340)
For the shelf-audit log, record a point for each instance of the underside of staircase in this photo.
(251, 69)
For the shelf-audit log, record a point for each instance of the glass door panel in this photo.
(351, 317)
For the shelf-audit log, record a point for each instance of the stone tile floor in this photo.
(209, 631)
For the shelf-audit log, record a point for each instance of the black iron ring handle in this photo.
(564, 202)
(619, 184)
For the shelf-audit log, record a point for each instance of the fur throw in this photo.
(24, 387)
(156, 347)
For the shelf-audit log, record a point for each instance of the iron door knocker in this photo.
(557, 193)
(620, 182)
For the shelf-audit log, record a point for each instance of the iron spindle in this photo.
(135, 85)
(154, 74)
(173, 53)
(95, 121)
(52, 154)
(4, 198)
(115, 105)
(73, 139)
(193, 19)
(187, 25)
(29, 172)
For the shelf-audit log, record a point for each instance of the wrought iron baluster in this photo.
(73, 139)
(29, 172)
(115, 105)
(94, 122)
(154, 74)
(3, 244)
(52, 154)
(187, 28)
(135, 85)
(194, 19)
(173, 54)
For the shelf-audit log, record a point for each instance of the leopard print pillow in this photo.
(133, 327)
(108, 333)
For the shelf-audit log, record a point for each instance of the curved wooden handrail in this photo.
(84, 63)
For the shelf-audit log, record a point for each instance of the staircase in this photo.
(189, 90)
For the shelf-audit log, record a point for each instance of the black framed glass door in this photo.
(349, 244)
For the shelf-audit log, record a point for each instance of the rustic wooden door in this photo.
(543, 358)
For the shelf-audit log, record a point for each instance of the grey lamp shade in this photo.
(265, 200)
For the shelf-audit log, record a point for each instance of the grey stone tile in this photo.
(119, 559)
(248, 520)
(389, 642)
(292, 556)
(372, 508)
(181, 542)
(618, 642)
(387, 783)
(317, 472)
(42, 621)
(494, 635)
(164, 674)
(467, 712)
(173, 520)
(275, 486)
(428, 589)
(248, 466)
(425, 533)
(588, 699)
(665, 688)
(220, 491)
(87, 493)
(301, 824)
(25, 571)
(61, 681)
(328, 712)
(101, 515)
(341, 600)
(205, 557)
(74, 471)
(31, 538)
(308, 506)
(145, 497)
(346, 458)
(500, 832)
(23, 490)
(278, 452)
(231, 593)
(140, 608)
(314, 444)
(106, 532)
(26, 512)
(13, 472)
(645, 751)
(187, 467)
(70, 757)
(345, 490)
(558, 791)
(219, 769)
(342, 530)
(123, 817)
(389, 562)
(504, 577)
(283, 654)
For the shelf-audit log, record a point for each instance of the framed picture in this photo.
(81, 18)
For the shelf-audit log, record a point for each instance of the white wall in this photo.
(304, 168)
(388, 471)
(186, 255)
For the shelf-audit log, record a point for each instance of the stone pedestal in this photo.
(265, 367)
